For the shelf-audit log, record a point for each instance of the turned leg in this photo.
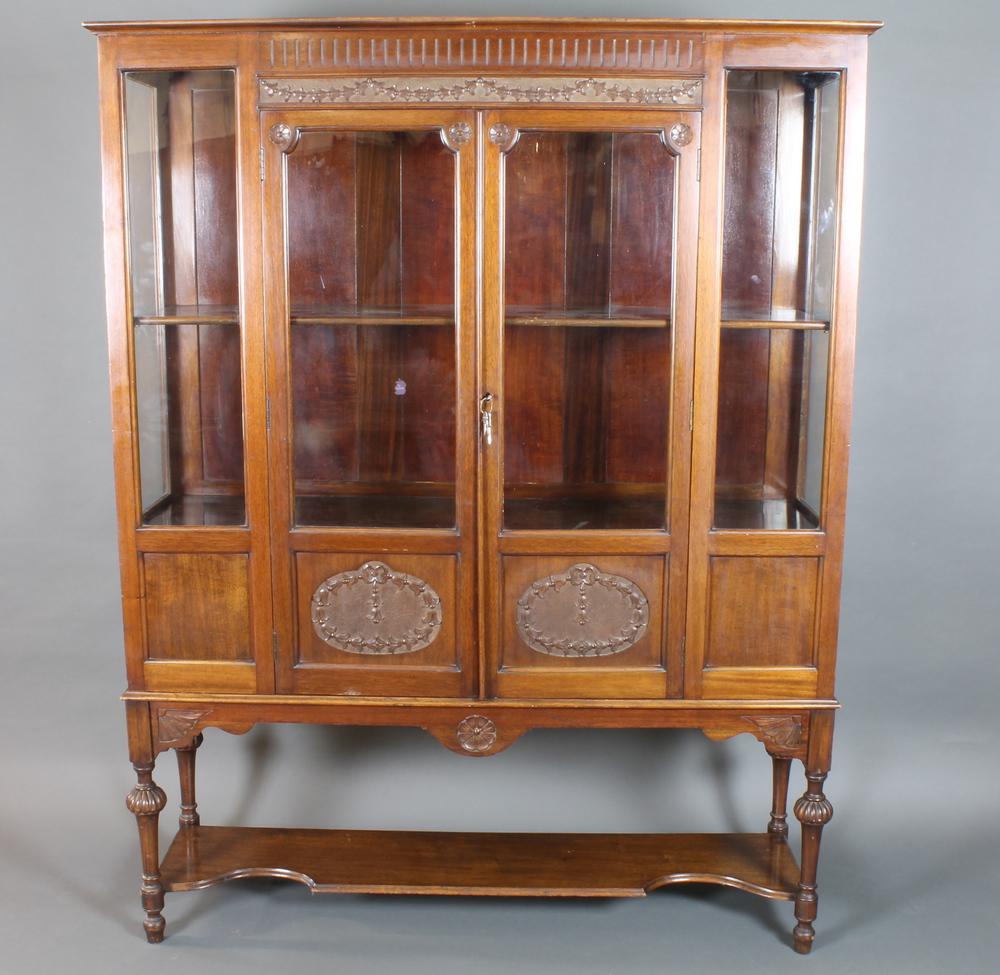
(779, 796)
(813, 811)
(185, 767)
(145, 801)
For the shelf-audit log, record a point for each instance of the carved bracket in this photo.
(781, 734)
(178, 728)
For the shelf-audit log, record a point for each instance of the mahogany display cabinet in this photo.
(482, 376)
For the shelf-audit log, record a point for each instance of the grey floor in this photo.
(910, 869)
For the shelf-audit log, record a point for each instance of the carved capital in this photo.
(814, 809)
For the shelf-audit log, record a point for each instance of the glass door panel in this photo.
(371, 278)
(183, 260)
(588, 265)
(781, 206)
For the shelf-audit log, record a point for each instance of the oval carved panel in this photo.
(373, 609)
(582, 612)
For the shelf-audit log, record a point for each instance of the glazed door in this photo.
(585, 399)
(369, 231)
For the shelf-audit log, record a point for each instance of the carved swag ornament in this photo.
(373, 609)
(582, 612)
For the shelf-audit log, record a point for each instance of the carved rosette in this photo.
(781, 731)
(460, 133)
(476, 733)
(680, 135)
(373, 609)
(582, 612)
(176, 725)
(283, 136)
(499, 134)
(518, 90)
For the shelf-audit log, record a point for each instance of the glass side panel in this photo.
(781, 197)
(779, 250)
(371, 258)
(589, 230)
(180, 134)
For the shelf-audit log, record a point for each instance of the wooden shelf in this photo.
(191, 315)
(513, 864)
(435, 315)
(775, 320)
(593, 317)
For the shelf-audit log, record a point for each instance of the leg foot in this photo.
(813, 811)
(145, 801)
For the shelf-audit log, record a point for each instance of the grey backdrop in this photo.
(909, 873)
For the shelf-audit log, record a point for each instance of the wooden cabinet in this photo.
(482, 377)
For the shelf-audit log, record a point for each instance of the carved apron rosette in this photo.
(373, 609)
(582, 612)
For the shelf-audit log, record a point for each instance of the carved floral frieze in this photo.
(526, 90)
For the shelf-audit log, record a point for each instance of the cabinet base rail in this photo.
(490, 864)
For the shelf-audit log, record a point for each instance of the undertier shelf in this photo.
(497, 864)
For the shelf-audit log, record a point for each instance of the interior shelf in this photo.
(615, 317)
(747, 514)
(373, 315)
(202, 314)
(374, 511)
(572, 514)
(774, 318)
(515, 864)
(198, 509)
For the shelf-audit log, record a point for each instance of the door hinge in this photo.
(691, 417)
(262, 164)
(697, 167)
(684, 649)
(274, 645)
(267, 413)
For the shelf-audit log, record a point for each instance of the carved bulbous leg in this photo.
(185, 767)
(778, 825)
(813, 811)
(145, 801)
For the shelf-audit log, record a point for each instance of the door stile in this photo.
(252, 321)
(706, 364)
(491, 190)
(278, 396)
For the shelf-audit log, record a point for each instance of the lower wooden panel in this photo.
(759, 683)
(181, 676)
(581, 865)
(197, 606)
